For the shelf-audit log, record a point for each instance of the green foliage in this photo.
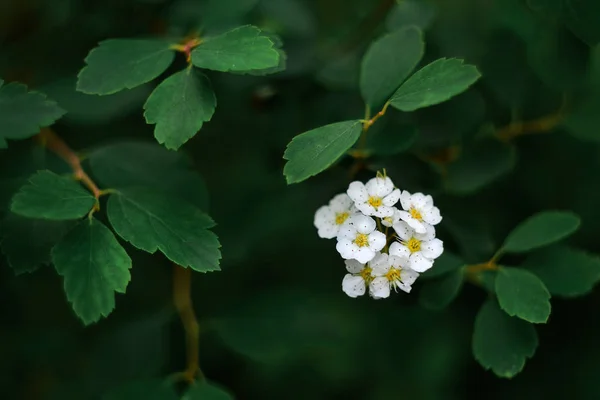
(147, 390)
(439, 293)
(446, 263)
(207, 391)
(522, 294)
(502, 343)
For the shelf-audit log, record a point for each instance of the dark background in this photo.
(275, 323)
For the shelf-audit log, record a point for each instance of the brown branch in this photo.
(540, 125)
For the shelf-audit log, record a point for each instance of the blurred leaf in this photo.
(50, 196)
(179, 106)
(583, 119)
(445, 263)
(439, 293)
(216, 14)
(294, 16)
(420, 13)
(146, 390)
(389, 60)
(565, 271)
(23, 113)
(502, 343)
(242, 49)
(206, 391)
(152, 221)
(94, 267)
(582, 18)
(118, 64)
(341, 72)
(522, 294)
(434, 83)
(540, 230)
(314, 151)
(391, 140)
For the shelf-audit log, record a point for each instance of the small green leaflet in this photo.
(435, 83)
(388, 62)
(143, 390)
(312, 152)
(541, 230)
(281, 65)
(118, 64)
(153, 221)
(51, 196)
(242, 49)
(94, 266)
(179, 106)
(439, 293)
(502, 343)
(207, 391)
(23, 113)
(522, 294)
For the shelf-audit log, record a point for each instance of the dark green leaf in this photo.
(438, 294)
(179, 106)
(434, 83)
(541, 230)
(420, 13)
(143, 390)
(445, 263)
(207, 391)
(502, 343)
(582, 18)
(152, 221)
(51, 196)
(118, 64)
(94, 267)
(391, 140)
(522, 294)
(582, 119)
(312, 152)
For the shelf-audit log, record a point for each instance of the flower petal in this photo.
(419, 263)
(384, 211)
(353, 286)
(432, 216)
(377, 241)
(399, 261)
(347, 231)
(412, 222)
(403, 230)
(392, 198)
(357, 192)
(346, 248)
(362, 223)
(323, 214)
(418, 200)
(353, 266)
(432, 249)
(380, 265)
(379, 187)
(408, 276)
(341, 203)
(428, 235)
(328, 231)
(364, 254)
(379, 288)
(399, 250)
(366, 208)
(405, 199)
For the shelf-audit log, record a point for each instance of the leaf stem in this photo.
(186, 46)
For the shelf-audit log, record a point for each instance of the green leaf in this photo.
(281, 65)
(137, 163)
(420, 13)
(388, 62)
(502, 343)
(23, 113)
(522, 294)
(94, 266)
(207, 391)
(146, 390)
(565, 271)
(434, 83)
(445, 263)
(391, 140)
(179, 106)
(541, 230)
(152, 221)
(581, 16)
(439, 293)
(241, 49)
(27, 242)
(582, 119)
(118, 64)
(312, 152)
(51, 196)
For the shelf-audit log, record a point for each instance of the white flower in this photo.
(355, 283)
(328, 219)
(390, 272)
(390, 221)
(420, 248)
(358, 239)
(419, 211)
(376, 197)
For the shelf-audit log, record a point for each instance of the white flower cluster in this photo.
(360, 220)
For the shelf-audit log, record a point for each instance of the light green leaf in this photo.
(541, 230)
(51, 196)
(502, 343)
(565, 271)
(445, 263)
(438, 294)
(241, 49)
(207, 391)
(434, 83)
(388, 62)
(312, 152)
(23, 113)
(142, 390)
(179, 106)
(118, 64)
(94, 266)
(522, 294)
(153, 221)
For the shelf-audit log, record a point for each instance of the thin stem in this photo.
(186, 46)
(539, 125)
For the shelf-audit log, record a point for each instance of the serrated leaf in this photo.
(137, 163)
(146, 390)
(388, 62)
(445, 263)
(522, 294)
(541, 230)
(565, 271)
(179, 106)
(281, 65)
(435, 83)
(27, 242)
(502, 343)
(153, 221)
(118, 64)
(94, 266)
(438, 294)
(51, 196)
(241, 49)
(312, 152)
(23, 113)
(207, 391)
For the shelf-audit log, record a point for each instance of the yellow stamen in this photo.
(366, 274)
(413, 245)
(393, 275)
(415, 214)
(375, 201)
(341, 217)
(361, 240)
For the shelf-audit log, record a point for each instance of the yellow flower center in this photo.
(415, 214)
(413, 245)
(374, 201)
(366, 274)
(361, 240)
(341, 217)
(393, 275)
